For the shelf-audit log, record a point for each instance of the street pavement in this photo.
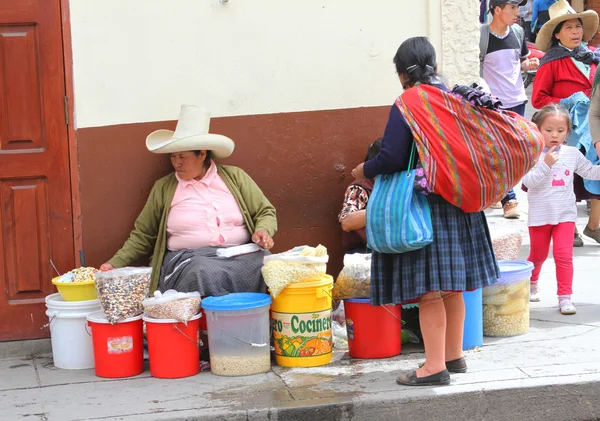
(550, 373)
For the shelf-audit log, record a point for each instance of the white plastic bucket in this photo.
(71, 342)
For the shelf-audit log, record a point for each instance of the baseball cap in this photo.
(496, 3)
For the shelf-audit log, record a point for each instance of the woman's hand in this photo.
(551, 157)
(354, 221)
(358, 173)
(530, 64)
(106, 267)
(263, 239)
(597, 146)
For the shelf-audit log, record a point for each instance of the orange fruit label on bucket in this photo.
(302, 334)
(121, 345)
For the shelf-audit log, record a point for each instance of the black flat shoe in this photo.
(409, 378)
(455, 366)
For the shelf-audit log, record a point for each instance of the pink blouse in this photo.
(205, 213)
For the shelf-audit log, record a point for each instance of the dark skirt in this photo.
(461, 258)
(580, 191)
(201, 270)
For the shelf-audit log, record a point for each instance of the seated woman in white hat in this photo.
(197, 210)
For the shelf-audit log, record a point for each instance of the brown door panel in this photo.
(35, 184)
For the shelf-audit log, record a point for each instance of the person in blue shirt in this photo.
(540, 14)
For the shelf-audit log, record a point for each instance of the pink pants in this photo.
(562, 239)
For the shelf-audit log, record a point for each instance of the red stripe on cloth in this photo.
(471, 155)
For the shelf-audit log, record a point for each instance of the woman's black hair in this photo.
(373, 150)
(556, 109)
(416, 58)
(208, 158)
(555, 40)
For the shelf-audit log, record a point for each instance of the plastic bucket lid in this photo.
(358, 300)
(367, 301)
(56, 302)
(100, 317)
(165, 321)
(514, 270)
(237, 301)
(326, 280)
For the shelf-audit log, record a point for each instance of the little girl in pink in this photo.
(552, 206)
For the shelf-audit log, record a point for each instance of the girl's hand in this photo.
(106, 267)
(551, 157)
(597, 146)
(358, 172)
(263, 239)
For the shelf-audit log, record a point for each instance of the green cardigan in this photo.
(149, 236)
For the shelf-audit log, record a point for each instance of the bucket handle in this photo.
(187, 337)
(238, 339)
(54, 314)
(393, 315)
(382, 306)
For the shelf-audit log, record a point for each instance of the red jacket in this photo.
(560, 79)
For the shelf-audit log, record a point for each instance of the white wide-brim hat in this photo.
(191, 134)
(559, 12)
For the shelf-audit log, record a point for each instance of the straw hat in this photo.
(191, 134)
(559, 12)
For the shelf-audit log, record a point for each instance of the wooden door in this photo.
(35, 186)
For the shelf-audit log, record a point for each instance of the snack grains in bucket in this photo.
(506, 303)
(238, 333)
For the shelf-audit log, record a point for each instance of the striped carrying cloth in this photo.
(472, 156)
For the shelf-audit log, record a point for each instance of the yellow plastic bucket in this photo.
(301, 317)
(76, 291)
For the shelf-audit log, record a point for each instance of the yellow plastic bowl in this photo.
(76, 291)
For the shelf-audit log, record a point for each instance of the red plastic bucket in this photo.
(173, 347)
(373, 331)
(118, 348)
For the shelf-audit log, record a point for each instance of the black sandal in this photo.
(409, 378)
(455, 366)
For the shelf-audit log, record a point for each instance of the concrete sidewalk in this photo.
(550, 373)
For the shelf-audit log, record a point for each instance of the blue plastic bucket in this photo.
(473, 333)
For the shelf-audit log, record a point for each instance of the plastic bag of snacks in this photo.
(507, 246)
(354, 281)
(300, 264)
(171, 304)
(121, 291)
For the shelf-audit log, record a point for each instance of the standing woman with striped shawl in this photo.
(460, 258)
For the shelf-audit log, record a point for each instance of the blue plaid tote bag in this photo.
(398, 218)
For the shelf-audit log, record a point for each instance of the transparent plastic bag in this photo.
(507, 244)
(339, 314)
(121, 291)
(340, 335)
(354, 281)
(300, 264)
(181, 306)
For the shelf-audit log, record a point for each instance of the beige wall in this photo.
(138, 60)
(460, 41)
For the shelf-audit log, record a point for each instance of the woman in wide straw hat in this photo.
(568, 65)
(567, 69)
(196, 210)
